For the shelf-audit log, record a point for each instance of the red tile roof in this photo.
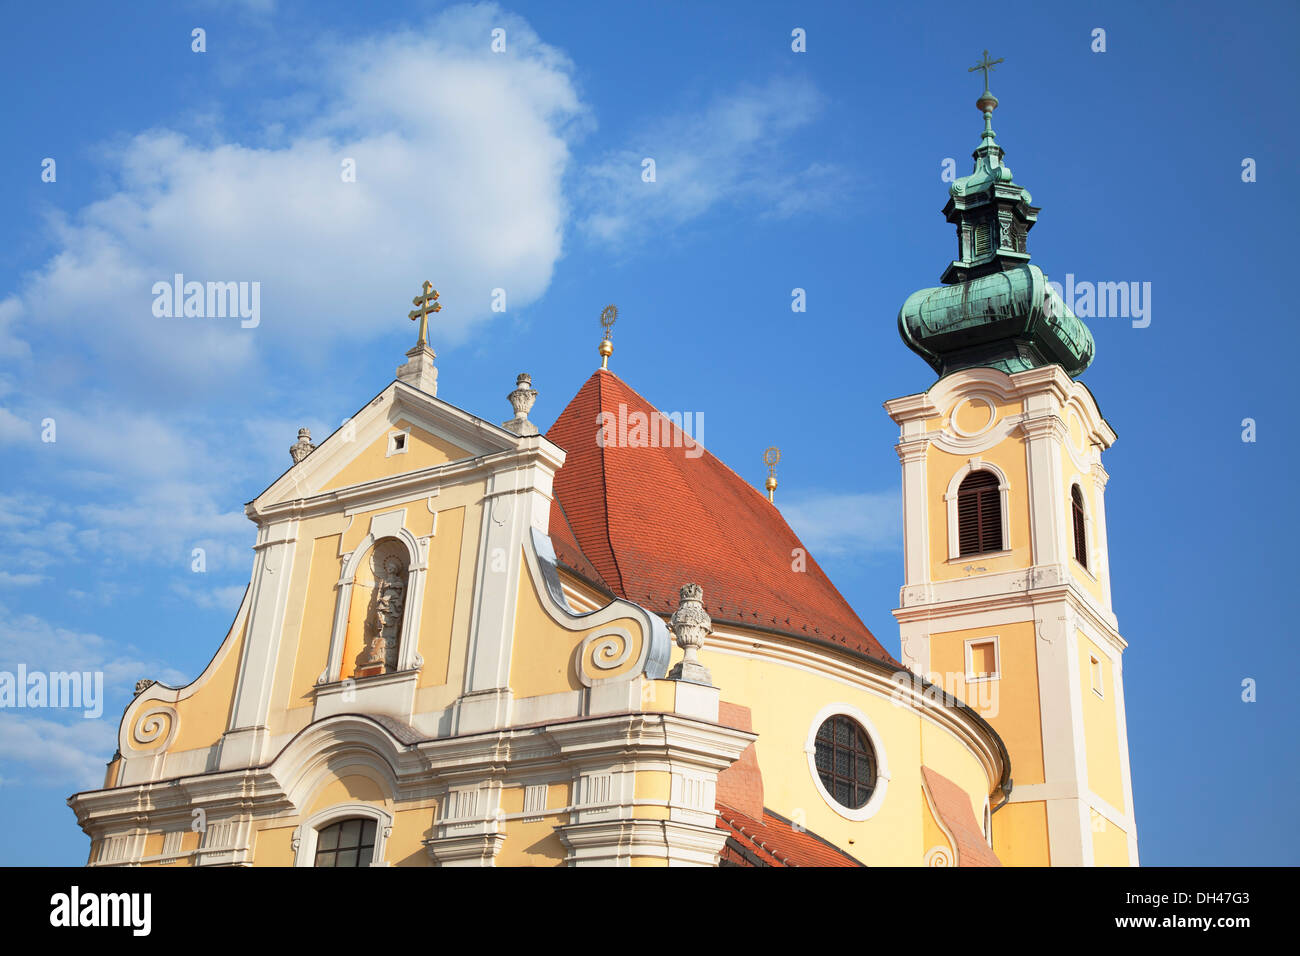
(956, 814)
(774, 841)
(646, 520)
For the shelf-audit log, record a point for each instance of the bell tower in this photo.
(1006, 600)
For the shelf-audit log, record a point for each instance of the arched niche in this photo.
(377, 616)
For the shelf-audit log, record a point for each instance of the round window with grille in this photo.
(846, 761)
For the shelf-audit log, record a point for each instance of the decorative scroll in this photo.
(605, 651)
(939, 856)
(155, 728)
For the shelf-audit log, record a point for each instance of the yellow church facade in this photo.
(467, 643)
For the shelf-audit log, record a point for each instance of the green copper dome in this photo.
(994, 309)
(1011, 320)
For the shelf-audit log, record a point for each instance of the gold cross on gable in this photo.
(986, 64)
(426, 303)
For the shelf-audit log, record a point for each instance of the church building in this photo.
(466, 643)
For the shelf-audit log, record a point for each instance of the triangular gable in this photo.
(359, 451)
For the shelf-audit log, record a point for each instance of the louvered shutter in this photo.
(1080, 529)
(979, 514)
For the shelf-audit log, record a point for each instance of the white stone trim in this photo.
(877, 799)
(950, 497)
(989, 401)
(394, 446)
(304, 838)
(971, 676)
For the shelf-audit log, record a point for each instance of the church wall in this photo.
(411, 827)
(1076, 469)
(787, 699)
(940, 749)
(941, 466)
(934, 839)
(424, 450)
(1109, 843)
(205, 714)
(273, 846)
(1100, 724)
(543, 659)
(444, 623)
(534, 842)
(308, 653)
(353, 788)
(1020, 836)
(1010, 703)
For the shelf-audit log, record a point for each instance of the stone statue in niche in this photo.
(387, 605)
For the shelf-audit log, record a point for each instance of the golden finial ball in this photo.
(606, 348)
(770, 484)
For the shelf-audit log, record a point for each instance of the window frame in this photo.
(308, 832)
(405, 435)
(950, 498)
(1097, 674)
(1080, 522)
(877, 798)
(971, 676)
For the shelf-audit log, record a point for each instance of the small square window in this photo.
(398, 443)
(982, 659)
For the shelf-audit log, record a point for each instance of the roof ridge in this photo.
(677, 465)
(604, 488)
(649, 516)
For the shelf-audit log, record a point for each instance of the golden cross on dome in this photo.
(426, 303)
(986, 64)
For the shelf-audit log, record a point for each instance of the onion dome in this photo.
(994, 309)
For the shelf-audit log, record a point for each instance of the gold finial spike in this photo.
(608, 316)
(770, 458)
(426, 303)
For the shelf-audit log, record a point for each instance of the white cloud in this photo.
(13, 428)
(838, 524)
(71, 754)
(9, 580)
(734, 151)
(459, 154)
(11, 347)
(60, 747)
(40, 645)
(217, 599)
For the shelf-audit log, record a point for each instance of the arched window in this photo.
(979, 514)
(349, 842)
(846, 761)
(1080, 528)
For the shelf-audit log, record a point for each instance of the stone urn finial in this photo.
(521, 400)
(302, 447)
(691, 624)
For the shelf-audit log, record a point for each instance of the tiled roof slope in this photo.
(774, 841)
(956, 813)
(650, 519)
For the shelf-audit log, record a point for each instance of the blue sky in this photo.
(522, 171)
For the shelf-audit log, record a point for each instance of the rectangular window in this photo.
(1095, 667)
